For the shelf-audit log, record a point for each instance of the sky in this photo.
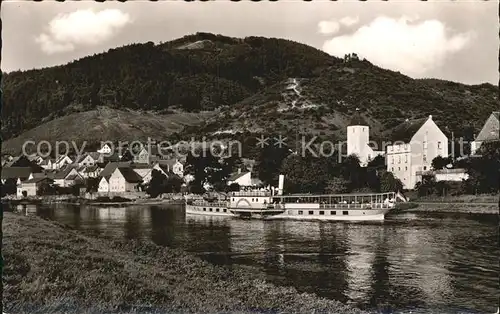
(452, 40)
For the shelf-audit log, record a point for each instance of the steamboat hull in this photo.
(308, 214)
(208, 210)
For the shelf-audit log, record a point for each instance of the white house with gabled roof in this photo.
(416, 144)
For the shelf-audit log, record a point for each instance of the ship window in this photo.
(233, 199)
(425, 168)
(406, 168)
(439, 145)
(399, 168)
(345, 212)
(300, 212)
(332, 212)
(225, 210)
(210, 209)
(217, 210)
(321, 212)
(204, 209)
(311, 212)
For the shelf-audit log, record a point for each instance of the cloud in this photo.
(82, 27)
(331, 27)
(328, 27)
(405, 44)
(349, 21)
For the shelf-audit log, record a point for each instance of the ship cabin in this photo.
(251, 199)
(378, 200)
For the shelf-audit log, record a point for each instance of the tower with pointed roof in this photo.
(358, 138)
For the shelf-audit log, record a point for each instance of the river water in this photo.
(410, 263)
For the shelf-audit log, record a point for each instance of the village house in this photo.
(457, 175)
(89, 159)
(67, 177)
(489, 132)
(62, 161)
(172, 165)
(416, 144)
(23, 161)
(142, 157)
(106, 173)
(144, 171)
(124, 179)
(358, 140)
(35, 158)
(89, 171)
(46, 163)
(13, 177)
(242, 178)
(105, 149)
(31, 186)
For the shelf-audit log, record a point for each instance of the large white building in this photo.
(416, 144)
(358, 139)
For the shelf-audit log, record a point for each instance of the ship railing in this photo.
(357, 205)
(251, 193)
(210, 204)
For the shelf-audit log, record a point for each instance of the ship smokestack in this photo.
(281, 183)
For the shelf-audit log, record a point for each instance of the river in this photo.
(411, 262)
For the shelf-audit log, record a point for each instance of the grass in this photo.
(50, 268)
(486, 198)
(105, 124)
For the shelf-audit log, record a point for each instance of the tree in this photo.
(389, 183)
(377, 163)
(269, 162)
(157, 184)
(207, 168)
(440, 162)
(353, 172)
(46, 187)
(9, 187)
(427, 186)
(92, 185)
(337, 185)
(127, 156)
(305, 174)
(234, 187)
(484, 171)
(173, 184)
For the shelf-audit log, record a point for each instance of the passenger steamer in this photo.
(265, 205)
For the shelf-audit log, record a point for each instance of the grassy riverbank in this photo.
(50, 268)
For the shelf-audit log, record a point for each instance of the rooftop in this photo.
(357, 119)
(16, 172)
(130, 175)
(405, 131)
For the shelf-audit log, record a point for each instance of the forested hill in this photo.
(257, 83)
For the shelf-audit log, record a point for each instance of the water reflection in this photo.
(422, 262)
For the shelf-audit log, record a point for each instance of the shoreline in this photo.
(79, 201)
(50, 267)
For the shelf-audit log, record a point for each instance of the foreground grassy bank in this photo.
(50, 268)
